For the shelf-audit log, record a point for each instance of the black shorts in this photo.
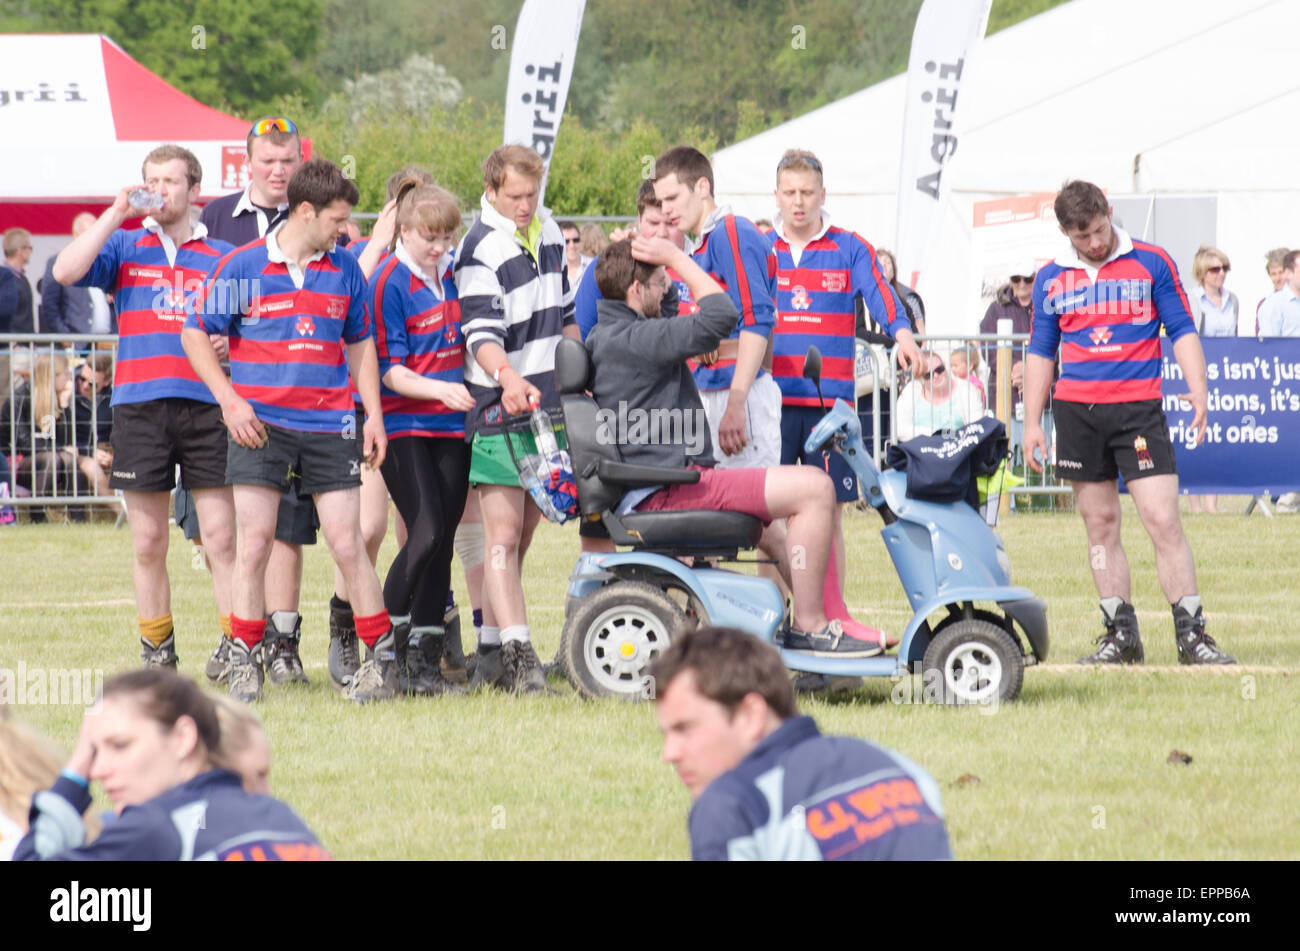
(296, 522)
(151, 439)
(1095, 441)
(797, 423)
(327, 462)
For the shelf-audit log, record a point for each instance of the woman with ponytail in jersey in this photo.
(421, 359)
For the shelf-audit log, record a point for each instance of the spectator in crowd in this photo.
(274, 150)
(515, 304)
(764, 225)
(1014, 302)
(295, 412)
(74, 310)
(912, 302)
(16, 312)
(94, 420)
(575, 262)
(163, 414)
(964, 363)
(1279, 316)
(151, 745)
(592, 241)
(29, 763)
(243, 748)
(1109, 415)
(935, 400)
(421, 360)
(765, 783)
(1213, 308)
(1275, 264)
(37, 425)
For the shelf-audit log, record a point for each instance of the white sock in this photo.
(515, 632)
(489, 636)
(1191, 603)
(1111, 605)
(396, 619)
(284, 621)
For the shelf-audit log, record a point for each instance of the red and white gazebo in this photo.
(77, 117)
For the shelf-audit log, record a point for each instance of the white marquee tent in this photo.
(1150, 98)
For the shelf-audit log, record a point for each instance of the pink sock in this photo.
(836, 609)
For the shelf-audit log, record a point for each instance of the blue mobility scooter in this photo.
(971, 632)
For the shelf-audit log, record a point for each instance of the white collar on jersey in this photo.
(433, 284)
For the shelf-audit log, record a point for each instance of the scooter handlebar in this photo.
(839, 421)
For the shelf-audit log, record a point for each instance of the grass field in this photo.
(1076, 769)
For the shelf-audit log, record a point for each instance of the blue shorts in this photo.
(797, 423)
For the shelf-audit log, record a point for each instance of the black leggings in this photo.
(428, 480)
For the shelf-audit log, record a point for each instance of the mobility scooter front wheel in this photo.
(614, 634)
(973, 661)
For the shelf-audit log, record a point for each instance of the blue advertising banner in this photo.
(1252, 444)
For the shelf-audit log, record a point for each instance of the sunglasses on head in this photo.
(800, 160)
(263, 126)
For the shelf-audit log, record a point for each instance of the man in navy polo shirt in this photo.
(767, 784)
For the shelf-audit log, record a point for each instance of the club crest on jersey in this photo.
(800, 299)
(336, 308)
(834, 281)
(306, 326)
(449, 333)
(1144, 457)
(1100, 335)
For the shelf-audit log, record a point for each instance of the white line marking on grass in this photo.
(1169, 668)
(115, 603)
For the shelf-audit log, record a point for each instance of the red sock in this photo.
(836, 609)
(249, 632)
(372, 627)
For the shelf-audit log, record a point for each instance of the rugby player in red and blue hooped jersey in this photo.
(294, 305)
(821, 271)
(1103, 304)
(163, 414)
(422, 362)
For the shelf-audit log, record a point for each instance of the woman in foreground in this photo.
(149, 744)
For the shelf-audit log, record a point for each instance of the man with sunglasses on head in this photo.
(274, 154)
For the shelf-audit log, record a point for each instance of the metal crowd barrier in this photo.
(24, 358)
(994, 351)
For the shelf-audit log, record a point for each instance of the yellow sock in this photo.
(224, 620)
(155, 630)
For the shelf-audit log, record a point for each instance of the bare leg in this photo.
(255, 511)
(1098, 504)
(509, 519)
(340, 522)
(149, 517)
(1156, 498)
(283, 582)
(804, 496)
(216, 511)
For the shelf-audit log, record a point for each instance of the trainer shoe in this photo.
(523, 668)
(424, 650)
(488, 669)
(1194, 645)
(164, 655)
(244, 673)
(283, 665)
(215, 668)
(452, 663)
(345, 651)
(1120, 644)
(808, 682)
(830, 641)
(377, 677)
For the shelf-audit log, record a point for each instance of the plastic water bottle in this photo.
(543, 433)
(145, 200)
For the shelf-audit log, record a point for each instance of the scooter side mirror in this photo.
(812, 370)
(812, 365)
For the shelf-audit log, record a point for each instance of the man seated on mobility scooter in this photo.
(640, 374)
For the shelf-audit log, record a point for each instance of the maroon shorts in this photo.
(721, 490)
